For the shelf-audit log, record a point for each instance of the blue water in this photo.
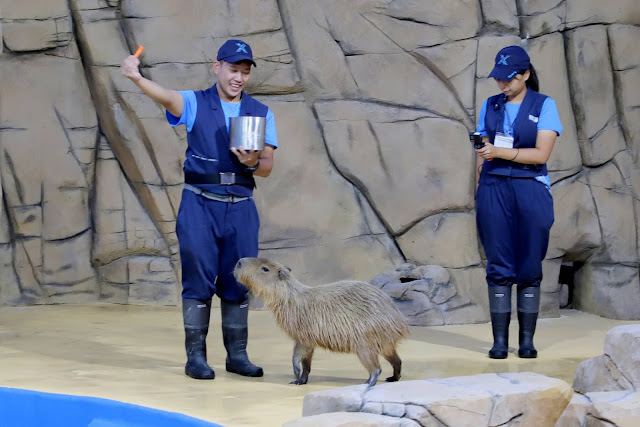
(27, 408)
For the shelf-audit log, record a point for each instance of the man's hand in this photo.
(169, 99)
(129, 68)
(247, 158)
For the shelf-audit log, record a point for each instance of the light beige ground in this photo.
(135, 354)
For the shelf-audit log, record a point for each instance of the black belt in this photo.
(222, 178)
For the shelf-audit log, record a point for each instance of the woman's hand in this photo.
(537, 155)
(489, 151)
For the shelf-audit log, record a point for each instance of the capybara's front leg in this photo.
(370, 361)
(301, 354)
(392, 357)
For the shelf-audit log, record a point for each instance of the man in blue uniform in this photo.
(217, 221)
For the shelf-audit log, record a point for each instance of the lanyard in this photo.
(511, 123)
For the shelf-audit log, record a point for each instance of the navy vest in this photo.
(208, 142)
(525, 132)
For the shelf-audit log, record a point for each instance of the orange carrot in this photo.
(139, 51)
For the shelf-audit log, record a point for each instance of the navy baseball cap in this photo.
(235, 51)
(509, 62)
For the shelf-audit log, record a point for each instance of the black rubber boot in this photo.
(196, 326)
(528, 306)
(500, 308)
(235, 333)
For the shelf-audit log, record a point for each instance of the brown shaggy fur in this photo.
(346, 317)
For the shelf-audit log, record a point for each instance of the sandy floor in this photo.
(135, 354)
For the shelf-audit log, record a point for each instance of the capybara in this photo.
(346, 317)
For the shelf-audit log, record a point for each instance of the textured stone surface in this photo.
(486, 399)
(619, 298)
(618, 368)
(576, 232)
(545, 16)
(594, 105)
(576, 412)
(363, 148)
(350, 419)
(614, 408)
(35, 25)
(373, 101)
(625, 58)
(501, 13)
(548, 57)
(614, 203)
(427, 296)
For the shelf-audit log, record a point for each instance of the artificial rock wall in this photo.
(373, 100)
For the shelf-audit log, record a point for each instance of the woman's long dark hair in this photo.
(532, 82)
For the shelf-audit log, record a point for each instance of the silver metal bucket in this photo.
(247, 132)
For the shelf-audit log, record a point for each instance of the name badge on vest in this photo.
(503, 140)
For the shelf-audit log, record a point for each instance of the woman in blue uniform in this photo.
(514, 207)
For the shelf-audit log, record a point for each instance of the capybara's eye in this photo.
(265, 268)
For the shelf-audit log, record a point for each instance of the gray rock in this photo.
(618, 368)
(576, 412)
(614, 204)
(622, 345)
(549, 289)
(370, 150)
(486, 399)
(502, 13)
(625, 58)
(593, 95)
(575, 234)
(587, 12)
(614, 408)
(602, 409)
(425, 23)
(611, 291)
(456, 61)
(630, 171)
(427, 296)
(599, 374)
(447, 239)
(349, 419)
(36, 26)
(542, 17)
(548, 56)
(545, 16)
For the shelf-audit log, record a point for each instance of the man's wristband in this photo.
(252, 169)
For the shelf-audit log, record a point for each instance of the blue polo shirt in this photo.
(231, 109)
(549, 118)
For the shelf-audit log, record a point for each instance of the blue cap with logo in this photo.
(509, 62)
(235, 51)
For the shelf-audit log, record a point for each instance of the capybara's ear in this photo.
(283, 274)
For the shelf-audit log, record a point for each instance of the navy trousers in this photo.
(213, 236)
(514, 216)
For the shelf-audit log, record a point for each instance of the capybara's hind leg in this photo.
(371, 362)
(301, 354)
(392, 357)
